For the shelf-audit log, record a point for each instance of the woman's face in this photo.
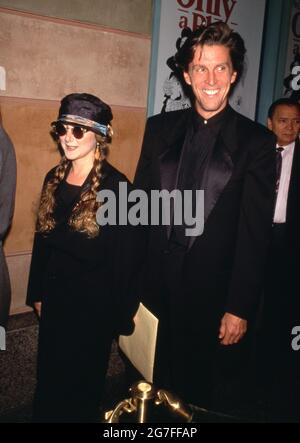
(76, 149)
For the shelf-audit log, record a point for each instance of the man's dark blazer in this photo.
(280, 364)
(293, 206)
(222, 270)
(283, 257)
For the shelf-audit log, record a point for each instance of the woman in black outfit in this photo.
(82, 279)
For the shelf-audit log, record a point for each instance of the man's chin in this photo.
(212, 107)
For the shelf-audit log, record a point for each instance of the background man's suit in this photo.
(222, 270)
(7, 199)
(281, 310)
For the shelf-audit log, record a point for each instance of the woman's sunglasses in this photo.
(77, 131)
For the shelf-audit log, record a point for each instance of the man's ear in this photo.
(269, 124)
(187, 78)
(233, 77)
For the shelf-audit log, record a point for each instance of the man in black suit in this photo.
(205, 289)
(281, 312)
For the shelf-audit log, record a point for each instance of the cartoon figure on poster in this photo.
(175, 91)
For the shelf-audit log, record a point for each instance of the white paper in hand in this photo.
(139, 347)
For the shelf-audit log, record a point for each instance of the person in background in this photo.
(205, 288)
(281, 308)
(7, 201)
(82, 275)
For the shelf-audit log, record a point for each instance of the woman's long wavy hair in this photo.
(83, 216)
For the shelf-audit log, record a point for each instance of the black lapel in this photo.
(173, 136)
(220, 171)
(169, 162)
(172, 141)
(220, 166)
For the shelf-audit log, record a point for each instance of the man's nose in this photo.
(211, 78)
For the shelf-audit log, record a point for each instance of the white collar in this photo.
(286, 148)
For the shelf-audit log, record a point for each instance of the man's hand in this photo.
(232, 329)
(37, 307)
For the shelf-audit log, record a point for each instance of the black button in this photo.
(166, 251)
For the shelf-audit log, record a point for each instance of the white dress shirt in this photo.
(284, 183)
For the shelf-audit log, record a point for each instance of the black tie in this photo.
(278, 166)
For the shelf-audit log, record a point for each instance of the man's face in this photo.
(285, 124)
(210, 74)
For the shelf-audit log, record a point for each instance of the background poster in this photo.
(291, 81)
(244, 16)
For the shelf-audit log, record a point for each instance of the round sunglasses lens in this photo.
(60, 129)
(78, 132)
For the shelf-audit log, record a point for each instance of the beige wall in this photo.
(126, 15)
(45, 59)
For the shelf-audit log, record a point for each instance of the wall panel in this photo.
(45, 60)
(127, 15)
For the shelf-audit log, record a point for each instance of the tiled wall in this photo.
(49, 49)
